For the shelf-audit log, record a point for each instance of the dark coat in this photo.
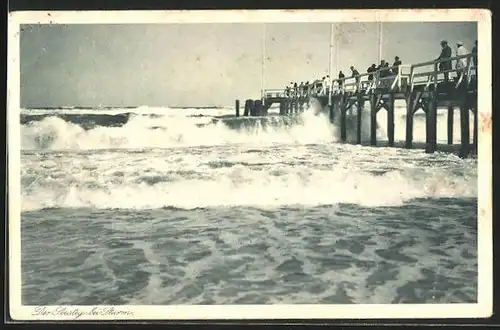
(474, 55)
(445, 53)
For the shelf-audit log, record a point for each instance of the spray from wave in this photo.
(163, 131)
(165, 128)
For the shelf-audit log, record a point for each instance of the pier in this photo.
(422, 86)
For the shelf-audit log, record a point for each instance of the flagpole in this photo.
(380, 38)
(337, 49)
(263, 81)
(330, 65)
(331, 50)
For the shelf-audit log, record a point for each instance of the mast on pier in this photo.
(380, 38)
(263, 64)
(332, 35)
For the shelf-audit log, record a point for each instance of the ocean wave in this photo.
(131, 131)
(150, 184)
(147, 127)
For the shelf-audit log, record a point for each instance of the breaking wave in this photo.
(69, 129)
(129, 130)
(235, 176)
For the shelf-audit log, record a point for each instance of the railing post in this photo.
(412, 78)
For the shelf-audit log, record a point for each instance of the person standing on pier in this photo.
(355, 74)
(341, 76)
(371, 69)
(474, 54)
(445, 54)
(381, 65)
(301, 89)
(461, 62)
(397, 63)
(382, 71)
(323, 86)
(386, 71)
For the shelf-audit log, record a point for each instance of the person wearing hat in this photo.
(474, 54)
(445, 54)
(397, 63)
(355, 74)
(341, 76)
(370, 70)
(461, 62)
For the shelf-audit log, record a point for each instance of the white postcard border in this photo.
(227, 312)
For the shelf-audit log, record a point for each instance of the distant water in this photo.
(178, 206)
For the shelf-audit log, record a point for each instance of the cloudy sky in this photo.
(203, 64)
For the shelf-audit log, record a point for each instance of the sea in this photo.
(170, 206)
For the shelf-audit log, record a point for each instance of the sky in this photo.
(205, 64)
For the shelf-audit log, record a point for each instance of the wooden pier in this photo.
(422, 86)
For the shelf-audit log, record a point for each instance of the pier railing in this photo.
(275, 93)
(463, 73)
(404, 77)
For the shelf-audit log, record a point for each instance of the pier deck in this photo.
(422, 86)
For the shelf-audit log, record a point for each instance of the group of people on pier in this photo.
(322, 86)
(461, 63)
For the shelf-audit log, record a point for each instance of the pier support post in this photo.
(283, 108)
(251, 107)
(374, 100)
(411, 99)
(247, 108)
(331, 111)
(264, 108)
(343, 120)
(390, 120)
(464, 130)
(257, 108)
(474, 135)
(450, 124)
(360, 106)
(431, 124)
(237, 108)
